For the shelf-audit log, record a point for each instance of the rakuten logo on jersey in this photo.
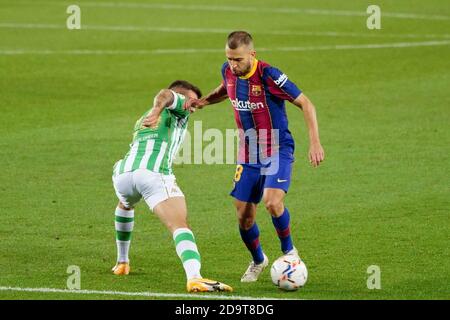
(281, 80)
(246, 105)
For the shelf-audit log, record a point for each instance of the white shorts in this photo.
(154, 187)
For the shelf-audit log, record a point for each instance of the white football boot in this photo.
(293, 252)
(254, 270)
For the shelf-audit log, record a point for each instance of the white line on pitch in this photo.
(187, 51)
(123, 28)
(285, 10)
(139, 294)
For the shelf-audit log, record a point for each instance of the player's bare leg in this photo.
(173, 214)
(274, 202)
(246, 214)
(124, 222)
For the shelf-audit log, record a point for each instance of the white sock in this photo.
(188, 252)
(124, 223)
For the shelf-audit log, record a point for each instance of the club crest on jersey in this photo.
(256, 90)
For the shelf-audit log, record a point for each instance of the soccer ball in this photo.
(289, 273)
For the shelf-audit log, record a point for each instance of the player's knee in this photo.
(274, 206)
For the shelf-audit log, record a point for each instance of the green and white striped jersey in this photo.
(154, 149)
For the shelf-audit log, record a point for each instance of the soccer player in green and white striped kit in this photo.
(146, 172)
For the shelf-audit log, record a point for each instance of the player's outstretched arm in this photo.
(217, 95)
(316, 152)
(163, 99)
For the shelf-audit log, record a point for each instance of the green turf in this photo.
(380, 198)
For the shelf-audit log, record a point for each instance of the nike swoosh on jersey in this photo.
(278, 180)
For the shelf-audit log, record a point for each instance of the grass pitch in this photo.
(380, 198)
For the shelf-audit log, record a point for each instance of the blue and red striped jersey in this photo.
(258, 100)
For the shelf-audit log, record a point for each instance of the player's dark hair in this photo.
(186, 85)
(239, 38)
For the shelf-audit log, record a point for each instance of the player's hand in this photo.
(316, 154)
(193, 104)
(151, 120)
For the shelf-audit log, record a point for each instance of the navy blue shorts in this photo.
(250, 180)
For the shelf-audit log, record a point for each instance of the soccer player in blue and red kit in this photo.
(257, 92)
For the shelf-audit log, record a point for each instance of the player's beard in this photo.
(243, 72)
